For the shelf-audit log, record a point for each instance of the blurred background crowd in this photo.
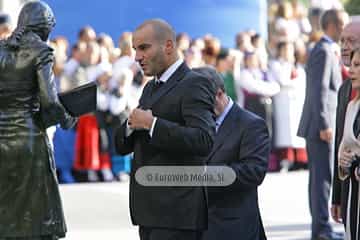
(265, 76)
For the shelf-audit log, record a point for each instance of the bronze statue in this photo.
(30, 204)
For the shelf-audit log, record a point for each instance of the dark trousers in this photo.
(149, 233)
(320, 159)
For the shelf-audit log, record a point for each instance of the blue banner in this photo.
(221, 18)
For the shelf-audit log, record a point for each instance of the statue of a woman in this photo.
(30, 204)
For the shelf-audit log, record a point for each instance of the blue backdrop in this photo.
(222, 18)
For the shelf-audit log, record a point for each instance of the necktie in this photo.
(156, 86)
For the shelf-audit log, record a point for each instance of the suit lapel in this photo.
(226, 128)
(170, 84)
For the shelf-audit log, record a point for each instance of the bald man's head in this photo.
(350, 39)
(155, 45)
(161, 29)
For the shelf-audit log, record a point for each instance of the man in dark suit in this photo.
(323, 78)
(242, 143)
(350, 40)
(173, 126)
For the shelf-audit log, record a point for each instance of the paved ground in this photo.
(100, 211)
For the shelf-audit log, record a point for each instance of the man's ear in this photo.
(169, 46)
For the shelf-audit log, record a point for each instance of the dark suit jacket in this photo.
(340, 189)
(323, 79)
(242, 143)
(183, 135)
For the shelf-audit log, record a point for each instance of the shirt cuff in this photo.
(128, 130)
(152, 127)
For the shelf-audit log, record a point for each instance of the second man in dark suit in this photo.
(242, 143)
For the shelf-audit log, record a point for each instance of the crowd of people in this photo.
(267, 78)
(260, 76)
(309, 117)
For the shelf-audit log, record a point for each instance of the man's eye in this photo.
(144, 47)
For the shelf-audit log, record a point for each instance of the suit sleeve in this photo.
(320, 75)
(196, 136)
(123, 144)
(124, 140)
(253, 155)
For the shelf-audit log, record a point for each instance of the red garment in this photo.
(87, 151)
(273, 163)
(105, 160)
(344, 73)
(293, 154)
(353, 94)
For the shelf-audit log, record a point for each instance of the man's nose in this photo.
(138, 57)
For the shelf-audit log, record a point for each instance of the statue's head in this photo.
(38, 17)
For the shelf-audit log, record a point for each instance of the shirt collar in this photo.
(170, 71)
(220, 119)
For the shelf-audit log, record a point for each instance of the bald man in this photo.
(350, 39)
(173, 126)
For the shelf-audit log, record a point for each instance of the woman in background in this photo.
(349, 152)
(287, 105)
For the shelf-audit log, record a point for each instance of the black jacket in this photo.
(242, 143)
(183, 133)
(340, 189)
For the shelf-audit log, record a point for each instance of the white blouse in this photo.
(349, 141)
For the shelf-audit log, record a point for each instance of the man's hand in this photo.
(326, 135)
(336, 213)
(140, 119)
